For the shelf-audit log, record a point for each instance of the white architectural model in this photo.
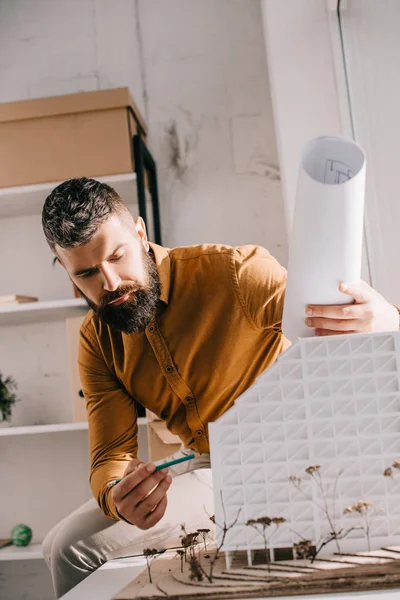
(328, 401)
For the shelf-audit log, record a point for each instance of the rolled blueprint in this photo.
(325, 245)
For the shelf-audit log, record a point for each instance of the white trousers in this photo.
(86, 538)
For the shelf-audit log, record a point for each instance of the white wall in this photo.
(307, 83)
(206, 69)
(372, 51)
(303, 85)
(201, 65)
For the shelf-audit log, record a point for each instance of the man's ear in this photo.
(57, 260)
(141, 231)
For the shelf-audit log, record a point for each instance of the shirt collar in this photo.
(163, 264)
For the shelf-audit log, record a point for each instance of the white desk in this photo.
(112, 577)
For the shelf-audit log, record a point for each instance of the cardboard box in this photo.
(75, 135)
(161, 442)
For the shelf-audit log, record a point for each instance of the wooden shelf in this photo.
(29, 199)
(53, 428)
(32, 552)
(41, 312)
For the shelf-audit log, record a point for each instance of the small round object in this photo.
(151, 328)
(169, 369)
(199, 433)
(21, 535)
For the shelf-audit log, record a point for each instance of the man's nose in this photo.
(111, 279)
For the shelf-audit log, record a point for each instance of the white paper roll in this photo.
(326, 240)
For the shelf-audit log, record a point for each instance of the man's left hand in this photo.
(370, 312)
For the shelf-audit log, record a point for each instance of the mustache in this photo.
(121, 291)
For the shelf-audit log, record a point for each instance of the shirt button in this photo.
(151, 328)
(188, 399)
(169, 369)
(198, 433)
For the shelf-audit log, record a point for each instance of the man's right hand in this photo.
(141, 496)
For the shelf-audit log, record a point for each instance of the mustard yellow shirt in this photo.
(217, 328)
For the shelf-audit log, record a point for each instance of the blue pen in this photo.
(158, 467)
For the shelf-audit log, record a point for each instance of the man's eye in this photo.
(87, 274)
(116, 258)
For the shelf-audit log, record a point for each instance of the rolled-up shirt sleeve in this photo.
(112, 419)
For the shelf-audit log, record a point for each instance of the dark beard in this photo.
(133, 315)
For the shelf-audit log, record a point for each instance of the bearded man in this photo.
(182, 331)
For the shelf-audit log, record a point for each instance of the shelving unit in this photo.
(61, 448)
(28, 199)
(54, 428)
(46, 466)
(41, 312)
(32, 552)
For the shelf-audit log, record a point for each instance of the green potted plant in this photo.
(8, 398)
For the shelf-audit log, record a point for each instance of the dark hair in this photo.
(75, 209)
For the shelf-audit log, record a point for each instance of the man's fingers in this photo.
(156, 515)
(136, 511)
(360, 291)
(331, 324)
(141, 491)
(131, 480)
(133, 465)
(152, 500)
(326, 332)
(335, 311)
(129, 504)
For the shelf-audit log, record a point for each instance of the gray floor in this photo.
(25, 580)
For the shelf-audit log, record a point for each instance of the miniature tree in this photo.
(148, 553)
(195, 565)
(261, 525)
(181, 554)
(189, 541)
(392, 471)
(365, 509)
(204, 533)
(304, 549)
(196, 571)
(334, 534)
(225, 528)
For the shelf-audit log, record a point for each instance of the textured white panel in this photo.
(337, 405)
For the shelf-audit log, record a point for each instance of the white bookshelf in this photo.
(41, 312)
(62, 453)
(28, 199)
(31, 552)
(53, 428)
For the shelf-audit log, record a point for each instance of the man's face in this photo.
(115, 274)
